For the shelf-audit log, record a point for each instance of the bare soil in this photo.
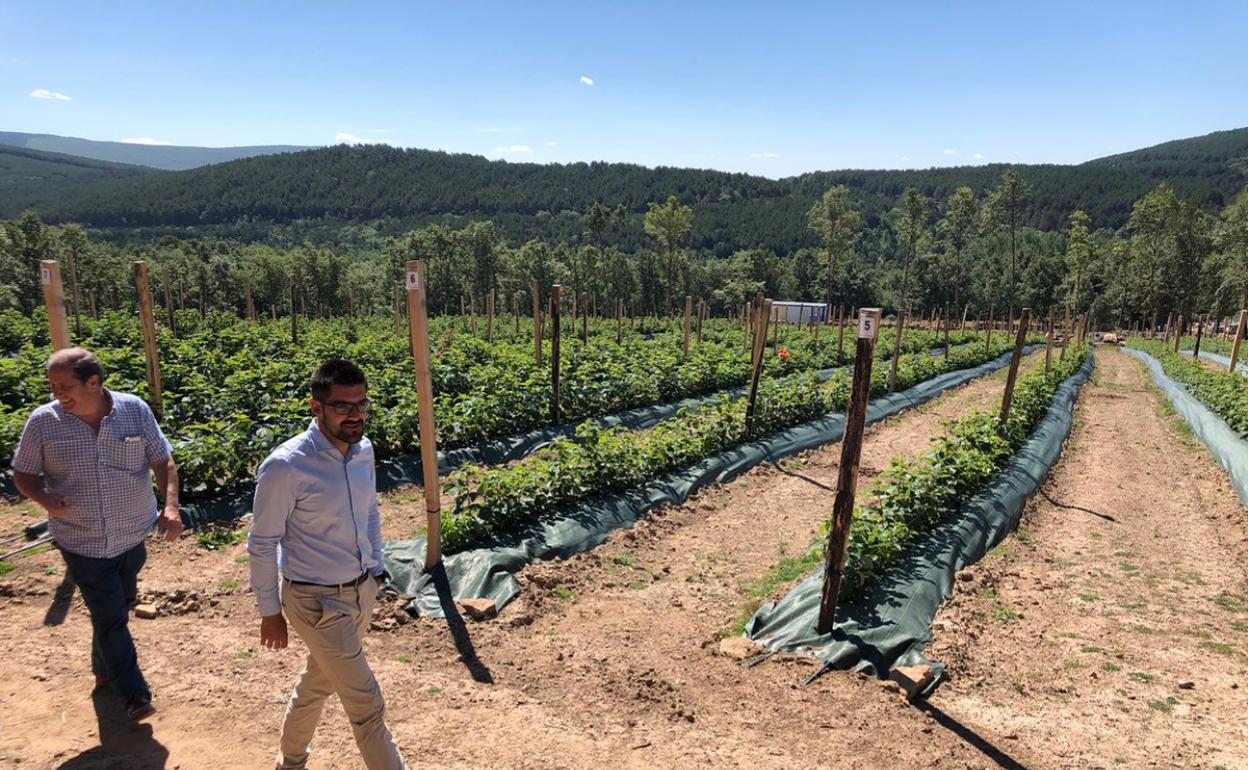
(613, 656)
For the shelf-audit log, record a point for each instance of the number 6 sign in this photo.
(413, 280)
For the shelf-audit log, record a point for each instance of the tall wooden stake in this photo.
(945, 321)
(965, 310)
(1239, 337)
(147, 323)
(418, 335)
(988, 338)
(892, 375)
(54, 301)
(1019, 341)
(1178, 332)
(584, 318)
(1200, 330)
(701, 316)
(555, 296)
(847, 474)
(760, 342)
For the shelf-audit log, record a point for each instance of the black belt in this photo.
(349, 584)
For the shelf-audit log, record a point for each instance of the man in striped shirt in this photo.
(315, 519)
(88, 457)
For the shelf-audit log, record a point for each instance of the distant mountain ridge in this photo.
(165, 157)
(394, 189)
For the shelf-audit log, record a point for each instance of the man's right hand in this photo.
(55, 506)
(273, 631)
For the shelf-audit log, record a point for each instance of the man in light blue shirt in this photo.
(315, 520)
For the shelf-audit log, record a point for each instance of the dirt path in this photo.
(1111, 631)
(609, 658)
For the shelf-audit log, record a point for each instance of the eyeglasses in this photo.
(347, 407)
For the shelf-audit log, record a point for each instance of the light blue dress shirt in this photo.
(315, 516)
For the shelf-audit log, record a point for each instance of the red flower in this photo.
(784, 354)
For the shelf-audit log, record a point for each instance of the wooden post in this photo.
(988, 338)
(173, 320)
(584, 318)
(54, 301)
(688, 312)
(847, 474)
(965, 310)
(1178, 332)
(418, 335)
(147, 323)
(619, 320)
(763, 317)
(1200, 330)
(489, 316)
(1048, 341)
(1169, 319)
(701, 316)
(537, 325)
(73, 285)
(1019, 341)
(1239, 337)
(472, 315)
(892, 375)
(555, 297)
(294, 315)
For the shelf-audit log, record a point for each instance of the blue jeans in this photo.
(109, 587)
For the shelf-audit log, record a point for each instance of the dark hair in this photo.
(335, 371)
(82, 363)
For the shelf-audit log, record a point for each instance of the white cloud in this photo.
(146, 140)
(43, 93)
(342, 137)
(514, 148)
(904, 158)
(552, 144)
(588, 81)
(767, 155)
(951, 152)
(978, 156)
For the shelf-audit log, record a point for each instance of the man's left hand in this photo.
(170, 524)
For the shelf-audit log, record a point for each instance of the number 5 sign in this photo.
(868, 323)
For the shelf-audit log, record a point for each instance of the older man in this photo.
(87, 457)
(316, 519)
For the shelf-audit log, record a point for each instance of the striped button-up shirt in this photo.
(105, 476)
(314, 517)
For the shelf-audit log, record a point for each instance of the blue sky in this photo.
(768, 88)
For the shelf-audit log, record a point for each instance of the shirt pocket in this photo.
(126, 453)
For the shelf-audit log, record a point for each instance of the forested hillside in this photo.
(316, 191)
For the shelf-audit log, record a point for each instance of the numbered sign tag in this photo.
(867, 326)
(45, 276)
(413, 280)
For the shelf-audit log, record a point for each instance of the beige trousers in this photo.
(332, 623)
